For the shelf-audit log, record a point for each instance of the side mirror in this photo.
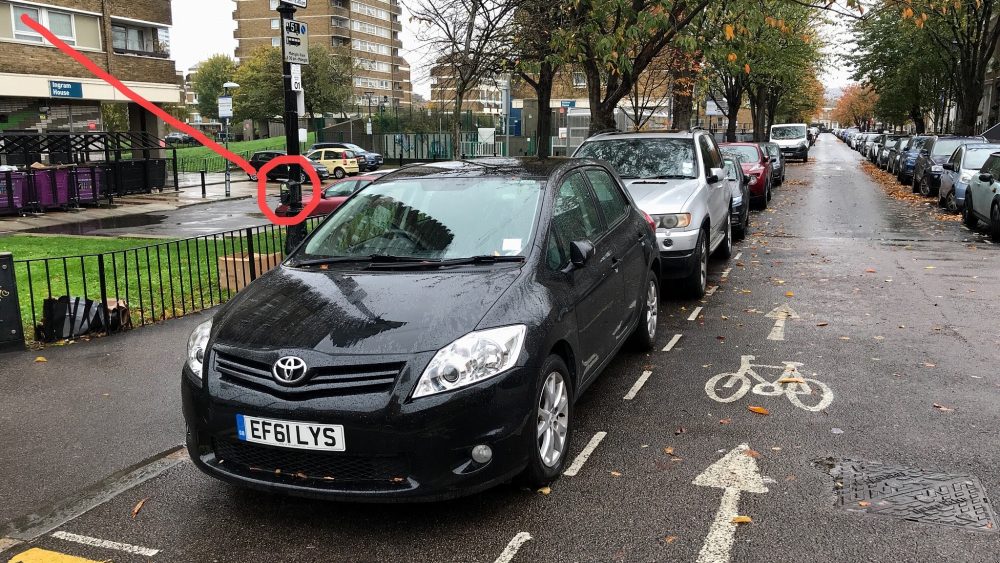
(715, 174)
(580, 251)
(948, 166)
(986, 178)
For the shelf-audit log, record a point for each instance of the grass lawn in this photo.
(192, 159)
(158, 279)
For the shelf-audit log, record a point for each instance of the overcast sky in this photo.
(203, 28)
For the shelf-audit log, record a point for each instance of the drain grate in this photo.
(929, 497)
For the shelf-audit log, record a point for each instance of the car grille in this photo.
(320, 381)
(300, 466)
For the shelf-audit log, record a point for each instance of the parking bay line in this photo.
(47, 519)
(106, 544)
(738, 254)
(509, 552)
(673, 342)
(584, 455)
(711, 290)
(695, 313)
(725, 273)
(638, 385)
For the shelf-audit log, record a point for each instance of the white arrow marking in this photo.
(734, 473)
(780, 314)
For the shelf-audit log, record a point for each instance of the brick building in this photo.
(369, 28)
(43, 90)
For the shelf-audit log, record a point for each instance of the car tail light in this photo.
(650, 222)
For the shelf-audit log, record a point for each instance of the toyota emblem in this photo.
(289, 370)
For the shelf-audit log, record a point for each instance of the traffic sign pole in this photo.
(294, 233)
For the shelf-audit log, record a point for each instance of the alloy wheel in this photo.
(703, 263)
(652, 308)
(553, 419)
(950, 203)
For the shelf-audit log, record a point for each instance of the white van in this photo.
(792, 138)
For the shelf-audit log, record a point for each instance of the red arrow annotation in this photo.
(201, 137)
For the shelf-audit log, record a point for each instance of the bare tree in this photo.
(470, 37)
(651, 91)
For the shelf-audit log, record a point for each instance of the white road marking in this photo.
(738, 254)
(734, 473)
(780, 314)
(673, 341)
(638, 385)
(711, 290)
(695, 313)
(106, 544)
(515, 544)
(725, 273)
(583, 456)
(800, 391)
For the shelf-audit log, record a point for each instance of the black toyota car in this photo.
(429, 338)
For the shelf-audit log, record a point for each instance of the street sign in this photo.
(61, 89)
(368, 127)
(296, 3)
(225, 107)
(297, 78)
(567, 103)
(296, 41)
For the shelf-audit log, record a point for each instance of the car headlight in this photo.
(937, 169)
(472, 358)
(198, 347)
(672, 220)
(965, 177)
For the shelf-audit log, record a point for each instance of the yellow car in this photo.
(340, 162)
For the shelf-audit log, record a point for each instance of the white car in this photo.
(678, 179)
(793, 138)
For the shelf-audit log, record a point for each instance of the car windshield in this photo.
(944, 147)
(645, 158)
(432, 218)
(745, 152)
(976, 158)
(786, 132)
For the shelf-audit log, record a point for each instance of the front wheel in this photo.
(644, 336)
(951, 203)
(968, 215)
(696, 283)
(995, 222)
(925, 187)
(725, 249)
(549, 439)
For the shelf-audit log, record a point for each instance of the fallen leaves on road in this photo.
(616, 474)
(545, 490)
(930, 267)
(680, 430)
(942, 408)
(670, 539)
(789, 294)
(139, 506)
(725, 421)
(870, 271)
(823, 324)
(929, 365)
(741, 520)
(40, 360)
(758, 410)
(791, 380)
(753, 453)
(864, 503)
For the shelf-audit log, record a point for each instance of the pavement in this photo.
(879, 446)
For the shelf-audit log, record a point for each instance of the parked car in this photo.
(982, 200)
(678, 179)
(893, 151)
(341, 162)
(964, 164)
(757, 166)
(177, 138)
(332, 196)
(367, 160)
(792, 138)
(414, 347)
(739, 214)
(777, 163)
(908, 158)
(928, 167)
(868, 145)
(280, 172)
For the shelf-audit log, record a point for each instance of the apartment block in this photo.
(42, 89)
(368, 28)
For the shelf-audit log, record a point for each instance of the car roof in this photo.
(528, 167)
(659, 134)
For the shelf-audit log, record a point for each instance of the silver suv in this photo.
(678, 179)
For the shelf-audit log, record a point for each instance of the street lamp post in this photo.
(294, 234)
(226, 88)
(371, 131)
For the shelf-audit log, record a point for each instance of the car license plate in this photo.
(288, 434)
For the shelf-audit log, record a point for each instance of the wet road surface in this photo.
(880, 445)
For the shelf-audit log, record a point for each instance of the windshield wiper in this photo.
(482, 259)
(671, 177)
(384, 258)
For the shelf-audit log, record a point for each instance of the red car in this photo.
(333, 195)
(757, 166)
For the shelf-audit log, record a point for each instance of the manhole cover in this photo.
(912, 494)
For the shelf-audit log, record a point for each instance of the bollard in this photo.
(11, 329)
(203, 184)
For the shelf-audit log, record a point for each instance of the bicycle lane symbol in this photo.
(804, 392)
